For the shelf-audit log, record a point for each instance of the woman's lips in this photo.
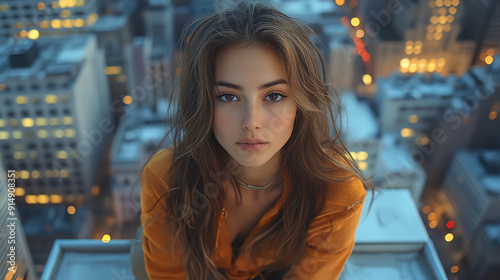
(251, 147)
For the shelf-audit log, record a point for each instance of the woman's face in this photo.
(253, 102)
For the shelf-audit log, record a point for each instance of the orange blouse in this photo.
(326, 252)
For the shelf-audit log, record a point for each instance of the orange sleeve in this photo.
(329, 246)
(159, 263)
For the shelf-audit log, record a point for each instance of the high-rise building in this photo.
(15, 255)
(56, 120)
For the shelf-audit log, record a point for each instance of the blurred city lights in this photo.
(449, 237)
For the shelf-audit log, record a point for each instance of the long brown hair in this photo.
(314, 156)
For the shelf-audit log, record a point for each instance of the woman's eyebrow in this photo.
(266, 85)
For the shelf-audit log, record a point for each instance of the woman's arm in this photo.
(160, 262)
(329, 248)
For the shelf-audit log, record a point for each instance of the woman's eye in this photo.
(227, 97)
(276, 97)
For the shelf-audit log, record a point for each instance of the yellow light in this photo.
(413, 68)
(409, 44)
(406, 132)
(442, 11)
(42, 133)
(450, 18)
(40, 6)
(31, 199)
(41, 121)
(70, 3)
(113, 70)
(452, 10)
(62, 3)
(363, 165)
(413, 119)
(488, 59)
(67, 23)
(431, 216)
(58, 133)
(4, 135)
(367, 79)
(61, 154)
(448, 237)
(355, 21)
(426, 209)
(360, 33)
(78, 22)
(362, 155)
(340, 2)
(408, 51)
(439, 3)
(35, 174)
(405, 62)
(80, 2)
(490, 52)
(439, 28)
(2, 123)
(424, 141)
(19, 191)
(55, 5)
(95, 190)
(33, 34)
(43, 199)
(24, 174)
(455, 2)
(70, 133)
(65, 13)
(438, 36)
(23, 33)
(71, 209)
(21, 99)
(44, 24)
(50, 98)
(67, 120)
(17, 134)
(64, 173)
(19, 155)
(454, 269)
(492, 115)
(434, 19)
(55, 23)
(447, 3)
(442, 19)
(54, 121)
(354, 155)
(417, 51)
(27, 122)
(433, 224)
(92, 18)
(106, 238)
(127, 99)
(55, 198)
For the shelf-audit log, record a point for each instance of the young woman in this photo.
(257, 183)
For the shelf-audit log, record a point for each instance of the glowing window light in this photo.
(42, 133)
(406, 132)
(67, 120)
(405, 62)
(71, 209)
(78, 23)
(19, 155)
(95, 190)
(417, 51)
(354, 155)
(127, 99)
(340, 2)
(355, 21)
(80, 3)
(408, 51)
(438, 36)
(433, 224)
(43, 199)
(488, 59)
(19, 191)
(41, 121)
(27, 122)
(426, 209)
(54, 121)
(447, 3)
(439, 28)
(452, 10)
(50, 98)
(455, 2)
(61, 154)
(448, 237)
(4, 135)
(450, 224)
(55, 23)
(33, 34)
(362, 155)
(360, 33)
(55, 198)
(92, 19)
(454, 269)
(44, 24)
(67, 23)
(21, 99)
(363, 165)
(450, 18)
(30, 199)
(424, 141)
(113, 70)
(490, 52)
(35, 174)
(58, 133)
(439, 3)
(17, 134)
(367, 79)
(413, 119)
(431, 216)
(106, 238)
(442, 11)
(65, 13)
(23, 33)
(2, 123)
(64, 173)
(493, 115)
(24, 174)
(434, 20)
(70, 133)
(413, 68)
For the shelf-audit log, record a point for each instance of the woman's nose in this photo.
(252, 118)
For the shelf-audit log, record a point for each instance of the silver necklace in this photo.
(251, 187)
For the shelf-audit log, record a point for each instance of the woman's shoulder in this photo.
(160, 162)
